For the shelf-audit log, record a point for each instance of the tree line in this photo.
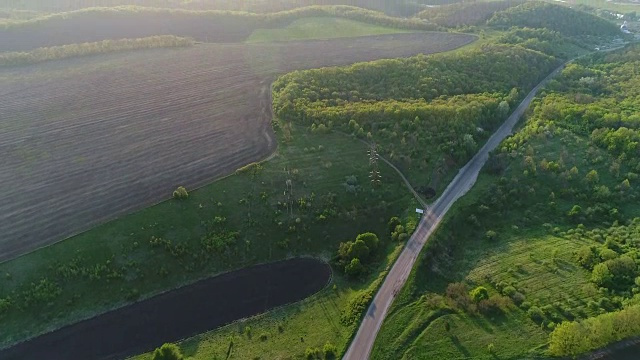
(106, 46)
(578, 337)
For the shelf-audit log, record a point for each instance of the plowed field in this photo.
(86, 140)
(178, 314)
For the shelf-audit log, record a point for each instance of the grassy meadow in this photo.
(320, 28)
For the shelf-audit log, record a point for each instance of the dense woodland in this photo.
(425, 112)
(465, 13)
(569, 22)
(570, 174)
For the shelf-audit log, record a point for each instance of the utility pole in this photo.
(374, 174)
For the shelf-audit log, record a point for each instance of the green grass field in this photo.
(120, 262)
(320, 28)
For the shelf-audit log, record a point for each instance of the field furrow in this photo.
(86, 140)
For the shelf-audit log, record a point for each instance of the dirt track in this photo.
(85, 140)
(181, 313)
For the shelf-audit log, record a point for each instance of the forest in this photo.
(416, 109)
(551, 231)
(537, 14)
(465, 13)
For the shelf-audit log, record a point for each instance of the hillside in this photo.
(426, 114)
(395, 7)
(465, 14)
(549, 232)
(566, 21)
(137, 22)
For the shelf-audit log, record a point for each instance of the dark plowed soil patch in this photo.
(86, 140)
(181, 313)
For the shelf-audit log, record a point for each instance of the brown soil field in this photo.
(179, 314)
(120, 25)
(86, 140)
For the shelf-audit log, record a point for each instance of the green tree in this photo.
(478, 294)
(601, 275)
(575, 211)
(491, 235)
(359, 250)
(344, 250)
(592, 177)
(354, 268)
(180, 193)
(167, 351)
(370, 239)
(626, 185)
(503, 109)
(393, 222)
(568, 339)
(330, 351)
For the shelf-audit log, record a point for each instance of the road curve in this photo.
(362, 343)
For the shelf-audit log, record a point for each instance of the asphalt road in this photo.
(363, 341)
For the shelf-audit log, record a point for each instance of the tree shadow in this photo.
(459, 346)
(482, 323)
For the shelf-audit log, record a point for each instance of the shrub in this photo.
(490, 235)
(535, 314)
(458, 293)
(509, 291)
(180, 193)
(608, 254)
(354, 268)
(5, 305)
(478, 294)
(587, 257)
(494, 305)
(312, 353)
(356, 307)
(370, 239)
(393, 222)
(264, 337)
(330, 351)
(167, 351)
(518, 298)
